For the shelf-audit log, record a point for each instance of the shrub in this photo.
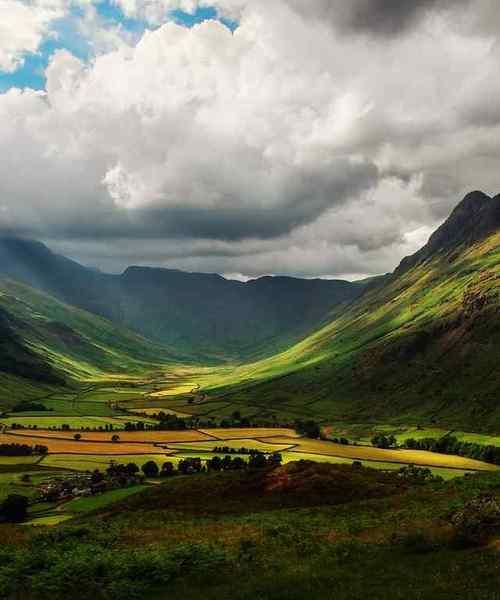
(475, 522)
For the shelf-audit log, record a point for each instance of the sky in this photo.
(318, 138)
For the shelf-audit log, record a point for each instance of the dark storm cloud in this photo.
(377, 17)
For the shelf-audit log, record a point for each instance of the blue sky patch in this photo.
(65, 34)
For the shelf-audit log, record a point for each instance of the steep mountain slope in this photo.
(44, 341)
(423, 346)
(197, 313)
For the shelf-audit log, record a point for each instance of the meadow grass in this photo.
(82, 505)
(91, 462)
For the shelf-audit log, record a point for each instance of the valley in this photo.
(382, 403)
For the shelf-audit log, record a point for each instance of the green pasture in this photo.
(82, 505)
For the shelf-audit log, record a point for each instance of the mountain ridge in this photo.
(198, 312)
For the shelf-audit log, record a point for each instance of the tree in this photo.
(167, 470)
(310, 429)
(132, 469)
(238, 463)
(77, 437)
(150, 469)
(275, 460)
(214, 464)
(257, 461)
(14, 508)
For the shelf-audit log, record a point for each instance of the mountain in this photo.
(476, 217)
(197, 313)
(45, 342)
(424, 345)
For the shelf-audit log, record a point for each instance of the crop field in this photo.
(96, 448)
(130, 437)
(252, 432)
(368, 453)
(154, 410)
(236, 444)
(84, 422)
(70, 446)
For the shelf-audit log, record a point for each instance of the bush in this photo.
(476, 521)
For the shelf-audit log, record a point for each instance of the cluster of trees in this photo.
(256, 460)
(22, 450)
(14, 509)
(384, 441)
(415, 474)
(344, 441)
(449, 444)
(309, 428)
(227, 450)
(166, 422)
(30, 406)
(191, 465)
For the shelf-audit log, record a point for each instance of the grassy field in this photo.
(90, 462)
(83, 505)
(300, 531)
(75, 423)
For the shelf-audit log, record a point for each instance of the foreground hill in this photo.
(425, 345)
(198, 313)
(300, 531)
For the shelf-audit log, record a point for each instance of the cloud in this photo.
(23, 27)
(303, 143)
(378, 17)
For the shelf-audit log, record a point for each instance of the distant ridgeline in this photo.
(197, 313)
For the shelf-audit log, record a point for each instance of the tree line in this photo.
(22, 450)
(449, 444)
(191, 465)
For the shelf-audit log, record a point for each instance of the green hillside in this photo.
(46, 345)
(424, 346)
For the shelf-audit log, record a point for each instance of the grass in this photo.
(303, 530)
(74, 422)
(90, 462)
(18, 460)
(83, 505)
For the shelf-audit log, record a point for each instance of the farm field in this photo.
(90, 462)
(175, 443)
(235, 443)
(73, 422)
(364, 432)
(252, 432)
(417, 457)
(131, 437)
(61, 445)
